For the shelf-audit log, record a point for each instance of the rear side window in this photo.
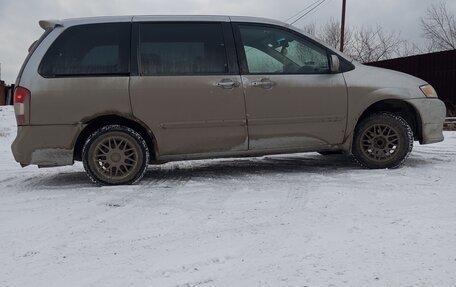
(182, 49)
(94, 49)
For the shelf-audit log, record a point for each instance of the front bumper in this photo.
(45, 145)
(432, 114)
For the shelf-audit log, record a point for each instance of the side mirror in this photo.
(335, 64)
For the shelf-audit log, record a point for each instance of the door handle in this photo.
(263, 83)
(227, 84)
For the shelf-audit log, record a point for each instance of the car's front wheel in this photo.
(114, 155)
(382, 140)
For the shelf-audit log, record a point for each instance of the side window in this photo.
(282, 52)
(94, 49)
(182, 49)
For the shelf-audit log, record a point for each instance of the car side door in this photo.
(293, 100)
(187, 90)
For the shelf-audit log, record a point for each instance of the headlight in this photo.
(428, 91)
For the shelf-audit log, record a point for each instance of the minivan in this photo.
(119, 93)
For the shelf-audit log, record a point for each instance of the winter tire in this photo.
(382, 140)
(115, 155)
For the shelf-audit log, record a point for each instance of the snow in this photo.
(287, 220)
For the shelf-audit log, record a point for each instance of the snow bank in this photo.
(289, 220)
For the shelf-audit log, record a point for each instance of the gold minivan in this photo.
(119, 93)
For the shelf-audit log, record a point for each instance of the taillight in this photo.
(22, 98)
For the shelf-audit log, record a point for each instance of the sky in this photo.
(19, 18)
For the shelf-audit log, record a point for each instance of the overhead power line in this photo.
(316, 10)
(297, 14)
(307, 13)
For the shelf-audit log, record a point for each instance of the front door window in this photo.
(274, 51)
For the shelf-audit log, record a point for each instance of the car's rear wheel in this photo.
(115, 155)
(383, 140)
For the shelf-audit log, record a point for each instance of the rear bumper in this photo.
(45, 145)
(432, 113)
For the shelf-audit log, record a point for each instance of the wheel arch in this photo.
(104, 120)
(398, 107)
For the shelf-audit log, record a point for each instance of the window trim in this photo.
(134, 50)
(243, 58)
(85, 75)
(227, 35)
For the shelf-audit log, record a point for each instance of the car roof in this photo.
(46, 24)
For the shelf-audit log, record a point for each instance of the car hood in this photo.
(372, 79)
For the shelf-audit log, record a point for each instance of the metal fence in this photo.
(438, 69)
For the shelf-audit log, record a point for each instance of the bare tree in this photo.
(330, 34)
(310, 29)
(366, 44)
(374, 44)
(410, 49)
(439, 27)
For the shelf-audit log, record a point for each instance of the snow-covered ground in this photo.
(289, 220)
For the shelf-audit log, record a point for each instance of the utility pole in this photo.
(342, 28)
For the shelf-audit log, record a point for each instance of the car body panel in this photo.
(191, 114)
(432, 114)
(296, 111)
(369, 85)
(47, 145)
(79, 103)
